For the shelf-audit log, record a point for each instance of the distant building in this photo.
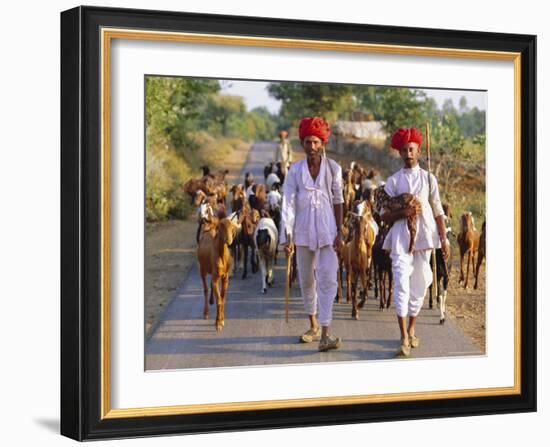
(346, 133)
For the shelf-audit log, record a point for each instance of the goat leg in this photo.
(478, 266)
(245, 260)
(354, 311)
(219, 304)
(468, 268)
(205, 290)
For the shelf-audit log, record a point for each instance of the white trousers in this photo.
(318, 280)
(412, 275)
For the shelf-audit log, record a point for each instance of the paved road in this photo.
(256, 333)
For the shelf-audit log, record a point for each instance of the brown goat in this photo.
(250, 218)
(468, 241)
(258, 200)
(340, 255)
(480, 253)
(215, 260)
(238, 197)
(356, 257)
(349, 191)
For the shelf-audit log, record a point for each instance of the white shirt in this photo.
(307, 211)
(415, 181)
(283, 152)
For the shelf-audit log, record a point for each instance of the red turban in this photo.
(403, 136)
(314, 126)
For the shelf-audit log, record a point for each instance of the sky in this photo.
(255, 94)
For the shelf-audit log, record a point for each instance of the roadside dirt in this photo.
(467, 306)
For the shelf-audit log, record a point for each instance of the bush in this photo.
(168, 168)
(165, 174)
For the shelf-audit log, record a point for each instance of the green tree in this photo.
(472, 122)
(173, 107)
(331, 101)
(396, 107)
(463, 104)
(222, 108)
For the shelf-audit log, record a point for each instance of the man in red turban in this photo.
(412, 274)
(311, 220)
(403, 136)
(314, 126)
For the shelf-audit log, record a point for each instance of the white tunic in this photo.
(415, 181)
(307, 210)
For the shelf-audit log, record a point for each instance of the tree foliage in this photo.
(396, 107)
(173, 107)
(307, 99)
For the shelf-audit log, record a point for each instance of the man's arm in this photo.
(288, 208)
(437, 209)
(338, 216)
(442, 231)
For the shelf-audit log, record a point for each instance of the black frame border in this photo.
(81, 223)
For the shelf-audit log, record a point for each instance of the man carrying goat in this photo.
(412, 274)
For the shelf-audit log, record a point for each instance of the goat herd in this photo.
(226, 240)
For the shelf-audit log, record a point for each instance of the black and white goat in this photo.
(266, 238)
(443, 274)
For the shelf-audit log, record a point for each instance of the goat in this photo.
(250, 218)
(443, 269)
(480, 252)
(349, 190)
(248, 180)
(399, 202)
(271, 180)
(214, 260)
(356, 259)
(258, 199)
(266, 238)
(468, 241)
(268, 169)
(382, 269)
(238, 197)
(340, 255)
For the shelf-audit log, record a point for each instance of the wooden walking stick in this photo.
(287, 284)
(434, 261)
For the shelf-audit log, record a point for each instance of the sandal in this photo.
(310, 335)
(404, 349)
(415, 341)
(329, 342)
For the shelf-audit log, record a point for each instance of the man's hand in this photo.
(338, 244)
(445, 250)
(289, 248)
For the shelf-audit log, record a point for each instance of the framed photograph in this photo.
(183, 139)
